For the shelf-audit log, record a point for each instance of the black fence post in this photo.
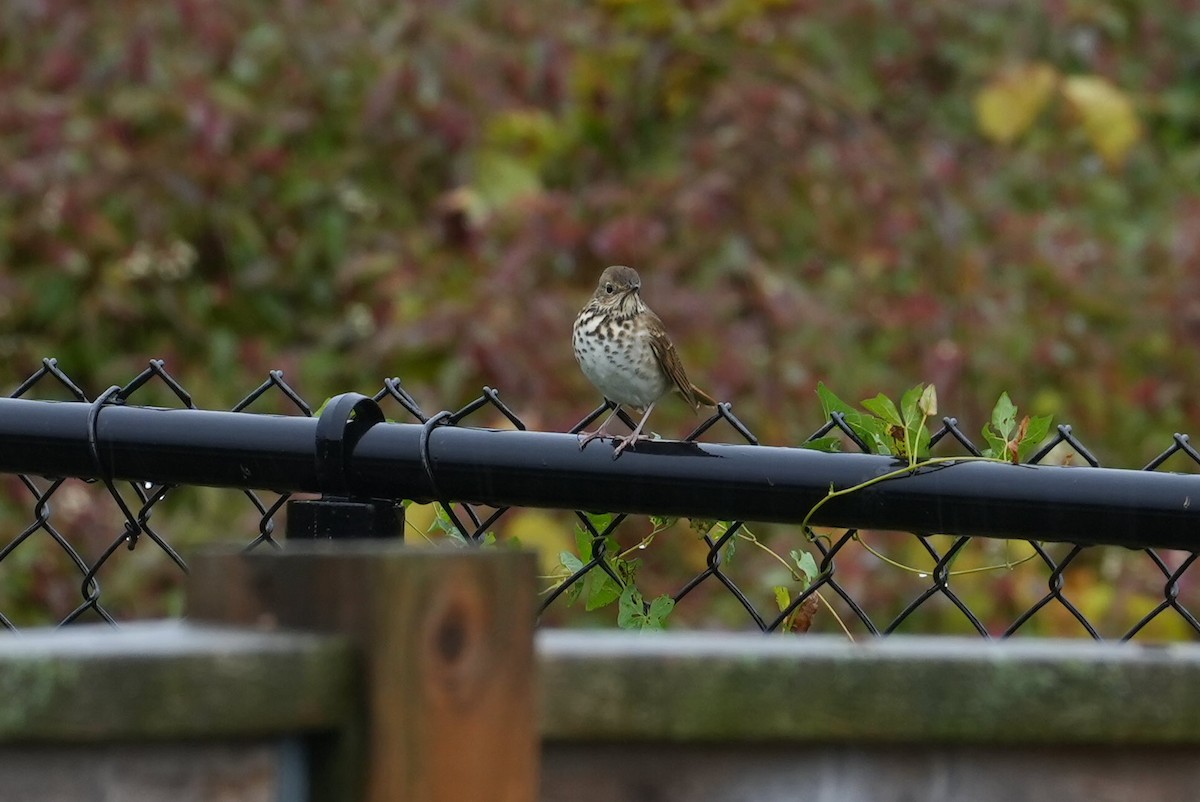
(339, 514)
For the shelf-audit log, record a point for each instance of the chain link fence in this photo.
(85, 548)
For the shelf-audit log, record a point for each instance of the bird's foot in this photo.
(587, 437)
(628, 440)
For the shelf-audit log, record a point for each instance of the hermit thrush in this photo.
(625, 352)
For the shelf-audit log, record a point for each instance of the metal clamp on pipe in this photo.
(338, 515)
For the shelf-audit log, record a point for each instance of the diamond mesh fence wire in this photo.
(74, 549)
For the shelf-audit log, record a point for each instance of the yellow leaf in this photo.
(501, 178)
(544, 532)
(529, 133)
(928, 402)
(418, 518)
(645, 16)
(1007, 106)
(1107, 115)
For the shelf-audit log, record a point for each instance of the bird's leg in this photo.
(633, 436)
(589, 437)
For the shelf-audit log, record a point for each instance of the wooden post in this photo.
(446, 638)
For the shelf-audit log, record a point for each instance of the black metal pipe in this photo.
(541, 469)
(166, 446)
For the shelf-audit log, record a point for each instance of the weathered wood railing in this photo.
(370, 671)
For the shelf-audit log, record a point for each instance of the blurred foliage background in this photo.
(987, 196)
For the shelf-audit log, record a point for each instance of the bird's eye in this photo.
(608, 288)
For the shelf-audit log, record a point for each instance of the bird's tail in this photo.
(703, 398)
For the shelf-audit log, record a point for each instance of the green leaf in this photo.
(874, 432)
(1035, 433)
(569, 561)
(573, 564)
(830, 445)
(782, 597)
(573, 593)
(584, 539)
(716, 532)
(917, 404)
(611, 547)
(662, 522)
(868, 428)
(1009, 440)
(996, 444)
(883, 407)
(729, 551)
(600, 520)
(830, 403)
(489, 539)
(807, 565)
(627, 569)
(909, 409)
(660, 608)
(602, 590)
(1001, 428)
(1004, 416)
(583, 542)
(443, 523)
(631, 612)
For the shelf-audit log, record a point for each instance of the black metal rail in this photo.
(350, 451)
(360, 465)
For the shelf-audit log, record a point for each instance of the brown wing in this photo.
(668, 360)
